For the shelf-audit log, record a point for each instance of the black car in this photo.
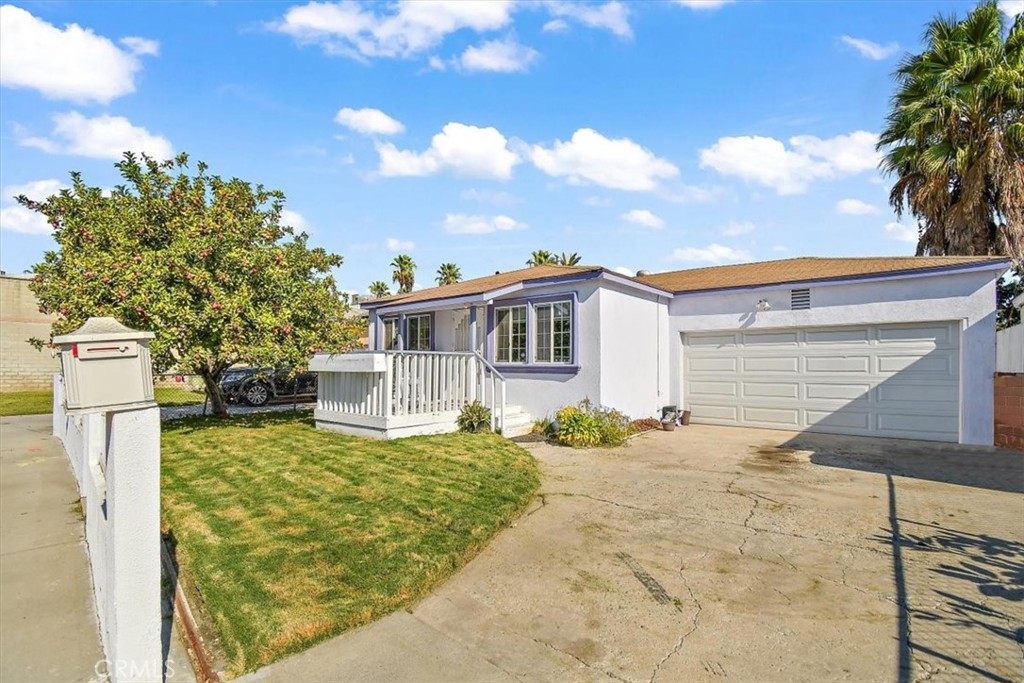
(258, 386)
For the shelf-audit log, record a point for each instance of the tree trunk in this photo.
(218, 405)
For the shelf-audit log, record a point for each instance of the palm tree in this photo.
(403, 273)
(379, 289)
(540, 257)
(572, 259)
(448, 274)
(954, 136)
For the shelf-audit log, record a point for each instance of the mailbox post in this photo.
(108, 380)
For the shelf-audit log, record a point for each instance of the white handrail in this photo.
(416, 383)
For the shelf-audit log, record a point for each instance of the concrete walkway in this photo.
(716, 553)
(48, 629)
(48, 626)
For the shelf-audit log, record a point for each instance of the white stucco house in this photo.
(890, 346)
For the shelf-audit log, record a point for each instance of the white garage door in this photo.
(874, 380)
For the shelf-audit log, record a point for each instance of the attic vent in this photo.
(800, 299)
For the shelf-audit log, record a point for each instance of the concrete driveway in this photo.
(715, 553)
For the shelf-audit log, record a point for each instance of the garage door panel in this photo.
(929, 335)
(712, 365)
(835, 390)
(771, 364)
(848, 417)
(940, 364)
(771, 389)
(720, 414)
(884, 380)
(774, 417)
(847, 335)
(713, 340)
(831, 364)
(934, 393)
(713, 389)
(769, 338)
(897, 423)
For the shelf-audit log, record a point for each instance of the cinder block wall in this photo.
(1009, 411)
(21, 366)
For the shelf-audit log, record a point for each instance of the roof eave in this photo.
(995, 266)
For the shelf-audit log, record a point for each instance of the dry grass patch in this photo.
(291, 535)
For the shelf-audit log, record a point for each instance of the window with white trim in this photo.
(510, 334)
(390, 339)
(418, 332)
(553, 332)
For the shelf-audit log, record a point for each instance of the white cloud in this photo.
(768, 162)
(404, 30)
(737, 228)
(1011, 8)
(855, 207)
(464, 150)
(622, 270)
(643, 217)
(612, 16)
(368, 121)
(16, 218)
(395, 244)
(556, 26)
(590, 157)
(294, 219)
(101, 137)
(713, 253)
(871, 50)
(778, 248)
(596, 201)
(901, 233)
(502, 56)
(496, 197)
(66, 64)
(463, 224)
(141, 46)
(703, 4)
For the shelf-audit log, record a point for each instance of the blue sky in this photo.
(641, 135)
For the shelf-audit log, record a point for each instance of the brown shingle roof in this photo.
(484, 284)
(803, 270)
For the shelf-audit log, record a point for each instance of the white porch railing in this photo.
(388, 394)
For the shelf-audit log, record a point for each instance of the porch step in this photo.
(517, 422)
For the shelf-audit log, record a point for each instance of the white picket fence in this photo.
(406, 393)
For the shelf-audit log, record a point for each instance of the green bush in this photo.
(474, 417)
(586, 426)
(543, 426)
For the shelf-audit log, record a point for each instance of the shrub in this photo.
(543, 426)
(586, 425)
(474, 417)
(644, 425)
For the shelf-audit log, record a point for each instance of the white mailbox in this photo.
(106, 366)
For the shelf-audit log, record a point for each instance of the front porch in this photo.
(393, 394)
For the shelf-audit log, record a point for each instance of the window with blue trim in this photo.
(510, 334)
(553, 332)
(390, 339)
(418, 332)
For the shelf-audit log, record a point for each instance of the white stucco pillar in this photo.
(133, 618)
(473, 334)
(372, 333)
(401, 332)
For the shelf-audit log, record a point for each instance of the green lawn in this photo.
(26, 402)
(291, 535)
(39, 402)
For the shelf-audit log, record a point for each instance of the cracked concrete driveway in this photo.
(717, 553)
